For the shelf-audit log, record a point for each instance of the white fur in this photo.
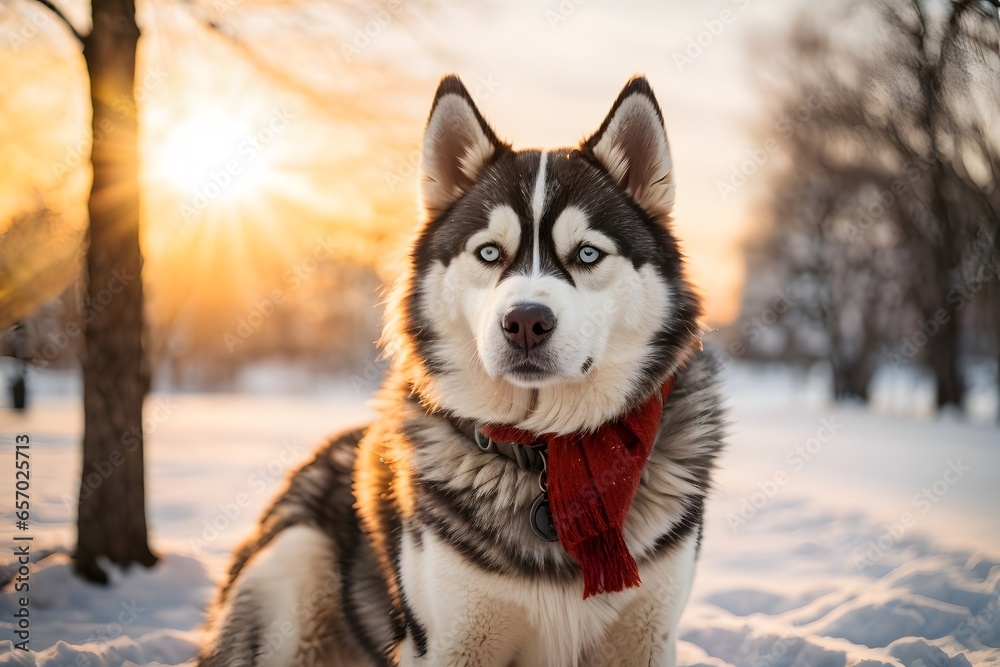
(485, 620)
(537, 208)
(279, 577)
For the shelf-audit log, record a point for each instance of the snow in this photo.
(143, 617)
(838, 536)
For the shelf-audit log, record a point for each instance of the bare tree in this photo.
(111, 521)
(884, 164)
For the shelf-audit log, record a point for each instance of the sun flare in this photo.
(211, 157)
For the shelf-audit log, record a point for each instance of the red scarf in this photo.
(592, 479)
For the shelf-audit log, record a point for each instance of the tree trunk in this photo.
(112, 517)
(851, 380)
(996, 329)
(944, 361)
(943, 348)
(19, 387)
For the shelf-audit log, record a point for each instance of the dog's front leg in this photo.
(458, 613)
(483, 633)
(665, 655)
(645, 631)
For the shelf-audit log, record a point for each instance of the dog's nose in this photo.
(528, 324)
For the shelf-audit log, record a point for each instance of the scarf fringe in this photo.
(607, 565)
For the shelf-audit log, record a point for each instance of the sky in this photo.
(544, 74)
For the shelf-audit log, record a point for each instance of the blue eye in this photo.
(489, 253)
(589, 254)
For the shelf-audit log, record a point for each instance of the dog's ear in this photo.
(632, 147)
(458, 144)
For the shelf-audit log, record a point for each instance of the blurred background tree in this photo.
(883, 219)
(111, 518)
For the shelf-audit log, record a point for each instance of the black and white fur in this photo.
(405, 545)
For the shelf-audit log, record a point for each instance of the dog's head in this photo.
(545, 288)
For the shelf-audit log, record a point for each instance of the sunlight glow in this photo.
(211, 158)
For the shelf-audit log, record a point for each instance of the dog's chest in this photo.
(531, 621)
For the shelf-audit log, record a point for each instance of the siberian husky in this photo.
(545, 305)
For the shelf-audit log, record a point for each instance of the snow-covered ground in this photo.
(836, 537)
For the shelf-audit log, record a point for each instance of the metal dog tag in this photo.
(541, 519)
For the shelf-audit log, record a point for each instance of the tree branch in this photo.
(346, 109)
(58, 12)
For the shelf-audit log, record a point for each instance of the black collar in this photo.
(527, 457)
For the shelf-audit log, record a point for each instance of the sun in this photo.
(215, 181)
(194, 146)
(211, 157)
